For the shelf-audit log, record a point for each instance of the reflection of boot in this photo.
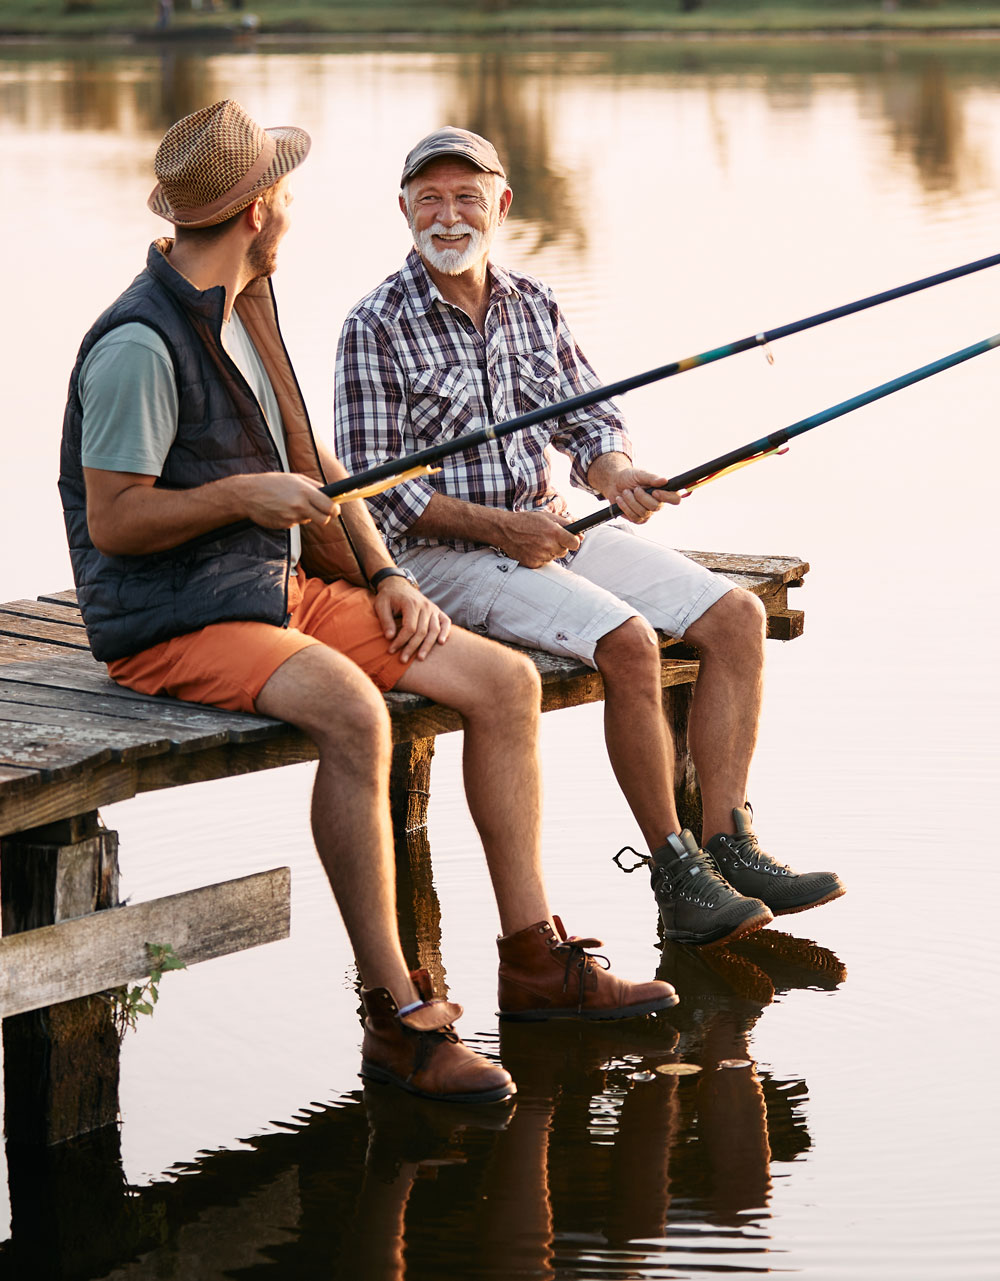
(407, 1131)
(545, 976)
(792, 962)
(563, 1057)
(422, 1053)
(712, 979)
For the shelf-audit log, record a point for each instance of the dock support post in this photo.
(417, 905)
(60, 1063)
(687, 794)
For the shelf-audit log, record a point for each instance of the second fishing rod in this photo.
(421, 462)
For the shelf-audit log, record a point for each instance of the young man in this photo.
(453, 340)
(210, 566)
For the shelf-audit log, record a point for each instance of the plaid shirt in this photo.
(412, 370)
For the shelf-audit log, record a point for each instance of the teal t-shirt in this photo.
(129, 398)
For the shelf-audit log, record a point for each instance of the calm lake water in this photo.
(677, 195)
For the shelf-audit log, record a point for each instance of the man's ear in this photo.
(255, 213)
(402, 207)
(505, 200)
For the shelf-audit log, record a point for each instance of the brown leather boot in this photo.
(422, 1053)
(543, 976)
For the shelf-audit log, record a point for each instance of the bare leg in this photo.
(496, 692)
(334, 702)
(725, 712)
(639, 743)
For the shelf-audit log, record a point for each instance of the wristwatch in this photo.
(392, 571)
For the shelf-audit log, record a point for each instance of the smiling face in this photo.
(454, 210)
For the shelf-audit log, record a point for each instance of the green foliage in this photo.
(125, 19)
(127, 1003)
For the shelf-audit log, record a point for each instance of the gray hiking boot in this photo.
(750, 870)
(696, 904)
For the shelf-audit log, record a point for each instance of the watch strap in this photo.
(391, 571)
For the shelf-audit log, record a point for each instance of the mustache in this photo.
(459, 229)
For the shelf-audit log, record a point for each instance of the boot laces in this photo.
(581, 961)
(748, 851)
(427, 1043)
(695, 878)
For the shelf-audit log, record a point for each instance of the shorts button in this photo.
(560, 636)
(503, 568)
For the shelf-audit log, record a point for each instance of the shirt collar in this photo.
(422, 293)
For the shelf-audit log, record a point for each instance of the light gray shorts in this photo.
(568, 605)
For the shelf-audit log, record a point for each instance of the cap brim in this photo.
(440, 153)
(291, 146)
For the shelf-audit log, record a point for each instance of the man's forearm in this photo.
(368, 542)
(446, 517)
(602, 471)
(141, 519)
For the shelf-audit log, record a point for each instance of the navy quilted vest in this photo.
(132, 602)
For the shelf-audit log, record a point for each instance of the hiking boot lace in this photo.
(752, 856)
(695, 878)
(582, 962)
(427, 1042)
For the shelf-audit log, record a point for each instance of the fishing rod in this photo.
(777, 442)
(367, 483)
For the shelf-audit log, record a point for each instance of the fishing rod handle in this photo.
(595, 518)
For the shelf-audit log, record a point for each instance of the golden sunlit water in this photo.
(677, 195)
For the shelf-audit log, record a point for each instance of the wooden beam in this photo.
(107, 949)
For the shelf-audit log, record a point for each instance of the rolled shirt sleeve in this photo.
(371, 416)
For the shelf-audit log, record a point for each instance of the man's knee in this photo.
(330, 699)
(736, 622)
(513, 681)
(629, 652)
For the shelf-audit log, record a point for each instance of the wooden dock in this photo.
(71, 741)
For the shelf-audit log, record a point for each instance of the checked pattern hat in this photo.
(216, 161)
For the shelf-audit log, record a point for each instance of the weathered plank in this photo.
(179, 721)
(15, 649)
(64, 634)
(786, 624)
(60, 598)
(107, 949)
(40, 609)
(786, 568)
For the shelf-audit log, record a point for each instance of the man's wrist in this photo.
(391, 571)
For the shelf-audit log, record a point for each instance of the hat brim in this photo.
(440, 153)
(291, 146)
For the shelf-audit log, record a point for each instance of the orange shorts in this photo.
(228, 664)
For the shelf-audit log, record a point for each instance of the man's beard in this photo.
(451, 262)
(262, 256)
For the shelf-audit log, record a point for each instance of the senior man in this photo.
(453, 341)
(210, 566)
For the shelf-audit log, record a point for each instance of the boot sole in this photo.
(804, 907)
(627, 1012)
(748, 926)
(372, 1072)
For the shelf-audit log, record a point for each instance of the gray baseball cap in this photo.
(451, 141)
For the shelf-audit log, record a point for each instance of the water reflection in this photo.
(921, 96)
(602, 1160)
(490, 96)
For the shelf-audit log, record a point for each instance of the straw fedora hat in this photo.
(215, 162)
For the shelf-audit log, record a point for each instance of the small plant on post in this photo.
(127, 1003)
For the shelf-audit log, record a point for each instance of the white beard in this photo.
(452, 262)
